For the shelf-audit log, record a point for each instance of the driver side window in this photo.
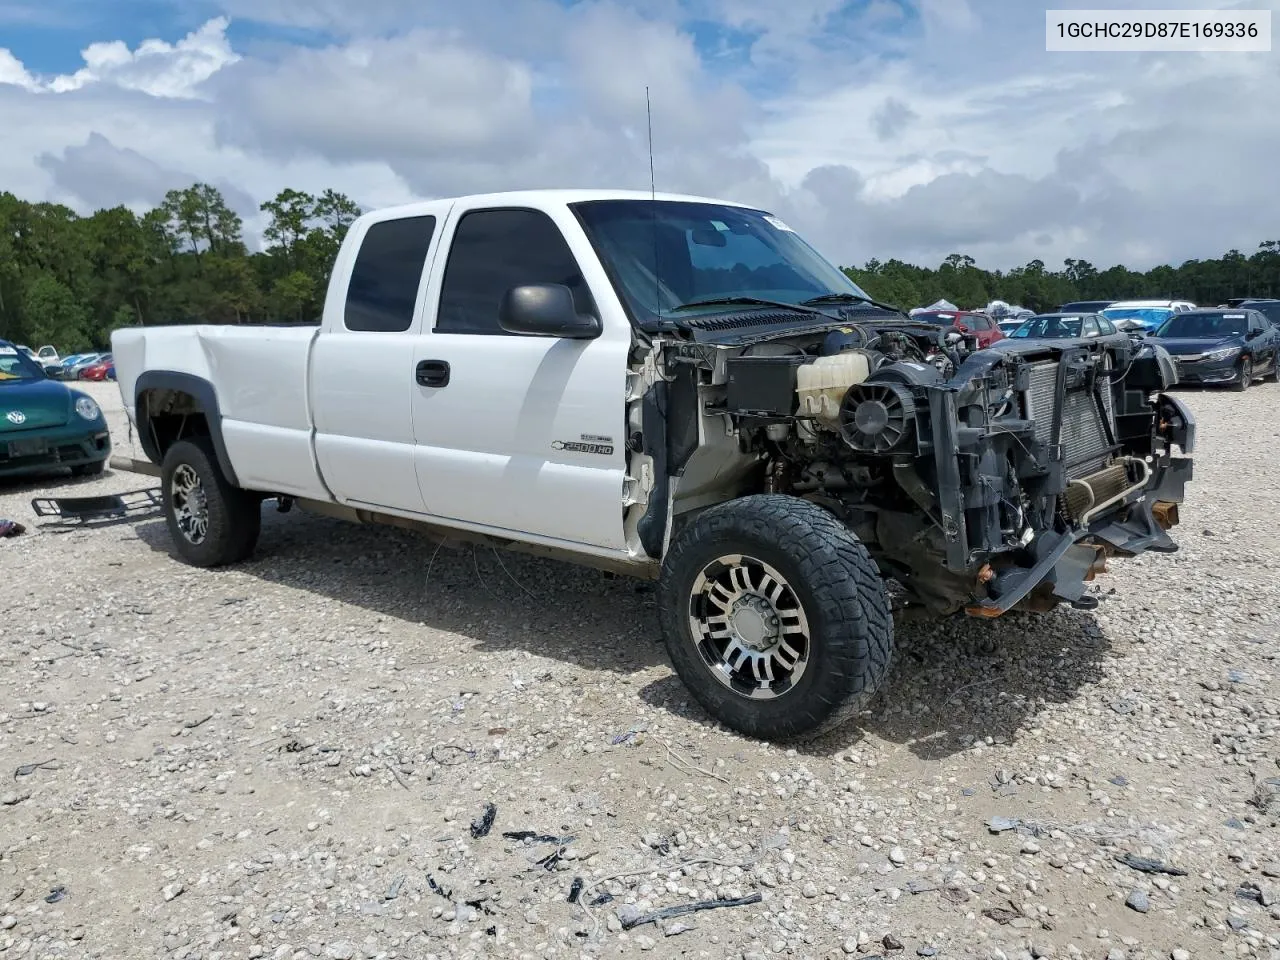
(495, 250)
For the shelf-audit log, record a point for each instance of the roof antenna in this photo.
(653, 206)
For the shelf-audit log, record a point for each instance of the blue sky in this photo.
(880, 128)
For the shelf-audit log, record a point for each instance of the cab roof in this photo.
(542, 198)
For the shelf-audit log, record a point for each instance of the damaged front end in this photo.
(979, 480)
(1096, 467)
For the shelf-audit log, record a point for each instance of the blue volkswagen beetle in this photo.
(44, 424)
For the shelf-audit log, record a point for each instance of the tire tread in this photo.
(839, 574)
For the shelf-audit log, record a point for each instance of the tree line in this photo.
(961, 281)
(69, 280)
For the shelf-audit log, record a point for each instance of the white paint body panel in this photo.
(338, 415)
(259, 375)
(487, 444)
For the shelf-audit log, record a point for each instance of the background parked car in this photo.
(59, 370)
(1008, 326)
(1149, 313)
(1065, 326)
(45, 426)
(74, 371)
(1267, 306)
(1222, 346)
(103, 369)
(1085, 306)
(966, 321)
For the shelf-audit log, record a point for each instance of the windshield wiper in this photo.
(748, 301)
(848, 298)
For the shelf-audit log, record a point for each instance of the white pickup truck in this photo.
(681, 389)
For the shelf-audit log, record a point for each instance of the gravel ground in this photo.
(285, 759)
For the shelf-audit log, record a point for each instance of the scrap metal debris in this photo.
(575, 889)
(82, 510)
(1148, 865)
(56, 895)
(11, 528)
(481, 826)
(551, 860)
(27, 769)
(684, 909)
(534, 837)
(437, 889)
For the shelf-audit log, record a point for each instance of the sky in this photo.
(877, 128)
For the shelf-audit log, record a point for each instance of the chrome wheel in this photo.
(190, 504)
(749, 627)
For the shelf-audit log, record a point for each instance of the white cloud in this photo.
(891, 128)
(13, 73)
(172, 70)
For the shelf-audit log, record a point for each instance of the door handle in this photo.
(433, 373)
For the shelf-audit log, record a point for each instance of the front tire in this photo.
(1244, 379)
(775, 617)
(211, 522)
(89, 469)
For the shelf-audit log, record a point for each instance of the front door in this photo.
(519, 433)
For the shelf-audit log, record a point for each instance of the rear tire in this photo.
(211, 522)
(1274, 375)
(775, 617)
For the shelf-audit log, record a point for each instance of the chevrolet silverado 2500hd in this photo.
(680, 389)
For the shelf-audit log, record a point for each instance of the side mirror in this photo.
(1253, 334)
(546, 310)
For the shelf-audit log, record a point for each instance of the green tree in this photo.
(54, 314)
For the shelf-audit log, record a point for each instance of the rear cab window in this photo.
(382, 294)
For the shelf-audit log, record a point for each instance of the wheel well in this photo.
(166, 416)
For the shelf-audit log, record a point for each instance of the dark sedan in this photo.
(1232, 347)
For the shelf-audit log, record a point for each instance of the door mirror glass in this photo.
(545, 310)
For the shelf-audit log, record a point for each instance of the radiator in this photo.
(1084, 441)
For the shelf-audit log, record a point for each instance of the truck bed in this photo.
(260, 375)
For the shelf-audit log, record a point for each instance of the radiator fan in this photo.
(877, 417)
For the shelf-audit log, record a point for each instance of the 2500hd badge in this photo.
(588, 444)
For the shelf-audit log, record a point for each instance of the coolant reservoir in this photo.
(821, 385)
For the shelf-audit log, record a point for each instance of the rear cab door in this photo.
(523, 434)
(361, 379)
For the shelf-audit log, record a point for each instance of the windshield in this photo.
(1049, 328)
(1206, 326)
(14, 367)
(665, 253)
(1147, 316)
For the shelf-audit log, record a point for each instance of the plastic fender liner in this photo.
(204, 394)
(1177, 423)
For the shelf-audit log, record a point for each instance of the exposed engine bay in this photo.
(983, 480)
